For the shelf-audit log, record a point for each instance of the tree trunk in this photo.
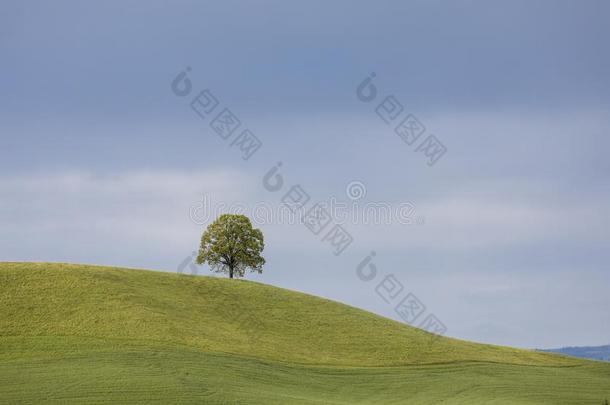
(230, 272)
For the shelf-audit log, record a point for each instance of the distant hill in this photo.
(89, 334)
(586, 352)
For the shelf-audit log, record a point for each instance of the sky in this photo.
(503, 238)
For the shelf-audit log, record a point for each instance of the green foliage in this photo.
(230, 245)
(89, 334)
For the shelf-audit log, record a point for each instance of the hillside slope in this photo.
(74, 332)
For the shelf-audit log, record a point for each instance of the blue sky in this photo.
(102, 162)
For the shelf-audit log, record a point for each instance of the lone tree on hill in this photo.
(230, 245)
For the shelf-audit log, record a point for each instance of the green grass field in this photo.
(88, 334)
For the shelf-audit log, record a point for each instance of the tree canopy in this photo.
(231, 245)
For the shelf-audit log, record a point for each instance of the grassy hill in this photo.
(74, 333)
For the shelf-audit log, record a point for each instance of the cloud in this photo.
(489, 223)
(59, 216)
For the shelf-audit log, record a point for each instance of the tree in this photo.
(230, 245)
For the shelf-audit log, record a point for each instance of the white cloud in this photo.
(62, 215)
(150, 209)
